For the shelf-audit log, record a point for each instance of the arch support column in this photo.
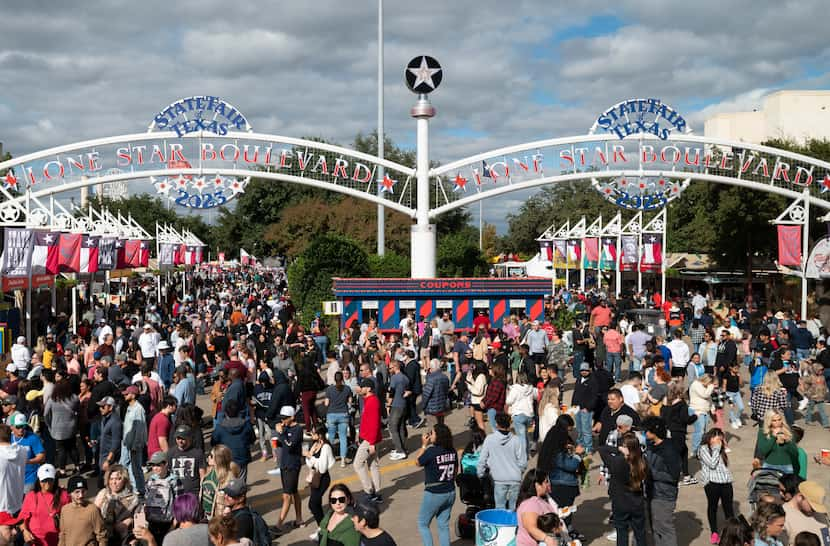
(422, 236)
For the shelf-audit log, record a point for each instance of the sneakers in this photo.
(612, 536)
(274, 472)
(803, 404)
(342, 464)
(397, 456)
(714, 539)
(689, 480)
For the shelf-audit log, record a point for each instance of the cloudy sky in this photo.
(513, 71)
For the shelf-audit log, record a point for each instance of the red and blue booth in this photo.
(389, 300)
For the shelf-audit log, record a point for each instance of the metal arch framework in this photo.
(326, 166)
(530, 165)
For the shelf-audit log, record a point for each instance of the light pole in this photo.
(381, 215)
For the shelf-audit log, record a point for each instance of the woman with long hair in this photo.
(41, 510)
(561, 458)
(675, 412)
(548, 410)
(309, 383)
(117, 503)
(736, 532)
(476, 382)
(84, 428)
(221, 470)
(222, 531)
(771, 395)
(338, 400)
(496, 394)
(337, 527)
(60, 413)
(520, 397)
(440, 462)
(714, 466)
(768, 524)
(534, 500)
(708, 351)
(775, 445)
(320, 459)
(700, 400)
(628, 473)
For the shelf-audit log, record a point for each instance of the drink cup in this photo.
(825, 454)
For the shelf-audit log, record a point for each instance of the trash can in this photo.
(496, 527)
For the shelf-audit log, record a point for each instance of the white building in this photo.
(794, 115)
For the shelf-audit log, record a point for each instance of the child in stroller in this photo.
(477, 494)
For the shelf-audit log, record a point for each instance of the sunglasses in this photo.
(337, 500)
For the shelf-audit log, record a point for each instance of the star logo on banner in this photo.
(90, 242)
(387, 184)
(163, 186)
(48, 238)
(218, 182)
(652, 239)
(119, 243)
(237, 187)
(143, 245)
(423, 74)
(199, 184)
(181, 182)
(10, 180)
(825, 184)
(460, 183)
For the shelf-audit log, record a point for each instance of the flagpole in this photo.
(805, 242)
(640, 258)
(381, 137)
(664, 255)
(618, 263)
(158, 256)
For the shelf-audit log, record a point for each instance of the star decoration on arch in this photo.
(423, 74)
(163, 187)
(825, 184)
(387, 185)
(10, 181)
(218, 182)
(460, 183)
(181, 182)
(237, 187)
(199, 184)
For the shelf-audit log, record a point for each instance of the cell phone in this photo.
(139, 520)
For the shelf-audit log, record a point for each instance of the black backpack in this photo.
(262, 536)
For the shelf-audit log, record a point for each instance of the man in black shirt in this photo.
(236, 498)
(187, 462)
(608, 419)
(413, 373)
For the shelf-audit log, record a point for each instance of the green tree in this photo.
(310, 275)
(458, 255)
(389, 266)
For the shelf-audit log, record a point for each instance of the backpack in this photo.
(756, 379)
(262, 536)
(158, 505)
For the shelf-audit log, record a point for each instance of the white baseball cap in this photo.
(46, 472)
(287, 411)
(11, 367)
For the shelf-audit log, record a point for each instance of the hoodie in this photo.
(520, 399)
(281, 396)
(504, 455)
(237, 434)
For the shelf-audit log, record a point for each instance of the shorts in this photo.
(424, 353)
(478, 407)
(290, 479)
(678, 372)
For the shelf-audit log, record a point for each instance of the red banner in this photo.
(22, 283)
(69, 250)
(789, 245)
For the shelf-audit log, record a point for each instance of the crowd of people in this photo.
(161, 405)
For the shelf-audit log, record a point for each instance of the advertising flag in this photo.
(560, 253)
(546, 250)
(630, 255)
(69, 249)
(574, 254)
(106, 254)
(789, 245)
(652, 259)
(45, 253)
(608, 256)
(200, 254)
(591, 253)
(166, 251)
(17, 252)
(129, 253)
(190, 255)
(244, 257)
(144, 253)
(89, 254)
(178, 254)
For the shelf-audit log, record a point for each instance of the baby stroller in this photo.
(477, 494)
(763, 481)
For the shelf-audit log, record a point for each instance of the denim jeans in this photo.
(505, 494)
(636, 364)
(579, 357)
(813, 406)
(613, 362)
(397, 428)
(339, 423)
(737, 407)
(520, 425)
(132, 461)
(700, 428)
(802, 354)
(789, 416)
(584, 434)
(827, 380)
(438, 506)
(491, 419)
(322, 343)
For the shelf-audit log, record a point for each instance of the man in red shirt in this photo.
(600, 316)
(159, 430)
(366, 459)
(481, 320)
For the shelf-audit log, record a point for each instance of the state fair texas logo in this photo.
(188, 115)
(631, 119)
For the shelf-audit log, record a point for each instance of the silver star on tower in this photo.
(424, 73)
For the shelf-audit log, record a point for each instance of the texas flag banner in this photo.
(106, 254)
(652, 259)
(560, 253)
(244, 257)
(546, 250)
(89, 254)
(591, 253)
(69, 248)
(630, 253)
(789, 245)
(178, 254)
(200, 254)
(608, 255)
(574, 254)
(189, 255)
(144, 253)
(129, 253)
(17, 252)
(45, 253)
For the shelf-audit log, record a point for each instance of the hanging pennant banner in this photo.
(546, 250)
(608, 256)
(106, 254)
(630, 255)
(17, 252)
(652, 252)
(574, 254)
(560, 253)
(789, 245)
(591, 253)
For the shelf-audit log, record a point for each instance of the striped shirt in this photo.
(712, 466)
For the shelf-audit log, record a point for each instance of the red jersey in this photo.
(370, 426)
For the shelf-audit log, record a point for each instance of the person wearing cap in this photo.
(148, 343)
(161, 490)
(134, 438)
(290, 436)
(187, 461)
(103, 330)
(42, 507)
(81, 523)
(109, 443)
(166, 364)
(23, 436)
(237, 502)
(366, 520)
(806, 511)
(21, 356)
(8, 529)
(11, 382)
(8, 406)
(585, 397)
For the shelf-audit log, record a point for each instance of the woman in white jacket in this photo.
(520, 401)
(319, 459)
(548, 411)
(700, 402)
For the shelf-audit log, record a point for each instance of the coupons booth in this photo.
(389, 300)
